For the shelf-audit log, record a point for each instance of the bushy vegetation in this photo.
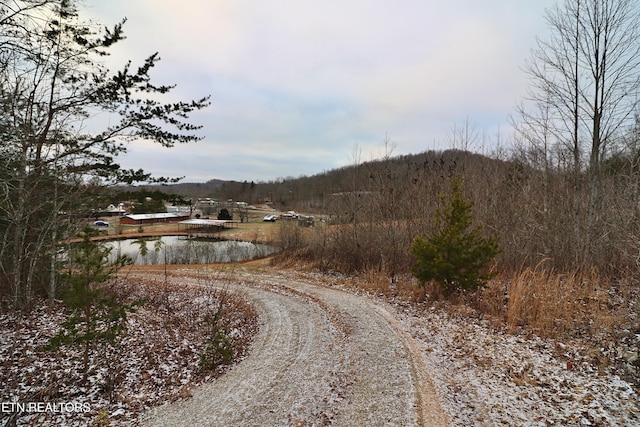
(224, 214)
(219, 347)
(456, 256)
(560, 275)
(95, 313)
(155, 362)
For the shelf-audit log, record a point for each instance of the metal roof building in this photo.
(134, 219)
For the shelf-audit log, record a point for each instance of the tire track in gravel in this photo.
(391, 370)
(322, 357)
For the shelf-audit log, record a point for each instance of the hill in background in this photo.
(310, 193)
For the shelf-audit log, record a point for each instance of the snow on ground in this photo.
(487, 377)
(157, 362)
(483, 375)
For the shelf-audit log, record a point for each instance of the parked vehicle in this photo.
(290, 215)
(270, 218)
(101, 224)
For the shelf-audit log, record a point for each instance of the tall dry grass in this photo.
(555, 304)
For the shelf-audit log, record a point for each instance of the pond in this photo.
(182, 250)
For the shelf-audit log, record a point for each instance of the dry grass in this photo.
(553, 304)
(378, 282)
(540, 300)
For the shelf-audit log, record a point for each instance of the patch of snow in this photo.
(483, 375)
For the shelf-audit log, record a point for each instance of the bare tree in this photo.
(587, 71)
(464, 136)
(585, 81)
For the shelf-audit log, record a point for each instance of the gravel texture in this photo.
(323, 356)
(325, 353)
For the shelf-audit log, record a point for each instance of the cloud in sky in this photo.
(297, 84)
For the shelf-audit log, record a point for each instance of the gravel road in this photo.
(322, 357)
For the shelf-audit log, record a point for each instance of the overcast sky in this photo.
(299, 87)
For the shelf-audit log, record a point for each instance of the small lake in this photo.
(181, 250)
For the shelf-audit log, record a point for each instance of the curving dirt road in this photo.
(322, 357)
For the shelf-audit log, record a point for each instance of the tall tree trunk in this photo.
(19, 225)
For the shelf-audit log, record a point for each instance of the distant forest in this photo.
(313, 194)
(539, 210)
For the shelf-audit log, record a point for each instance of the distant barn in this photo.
(139, 219)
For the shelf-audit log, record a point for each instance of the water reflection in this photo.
(180, 250)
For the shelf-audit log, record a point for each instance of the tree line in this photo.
(567, 191)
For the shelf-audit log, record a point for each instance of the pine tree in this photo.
(54, 81)
(456, 256)
(95, 314)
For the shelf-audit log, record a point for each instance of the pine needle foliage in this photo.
(94, 313)
(219, 347)
(456, 255)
